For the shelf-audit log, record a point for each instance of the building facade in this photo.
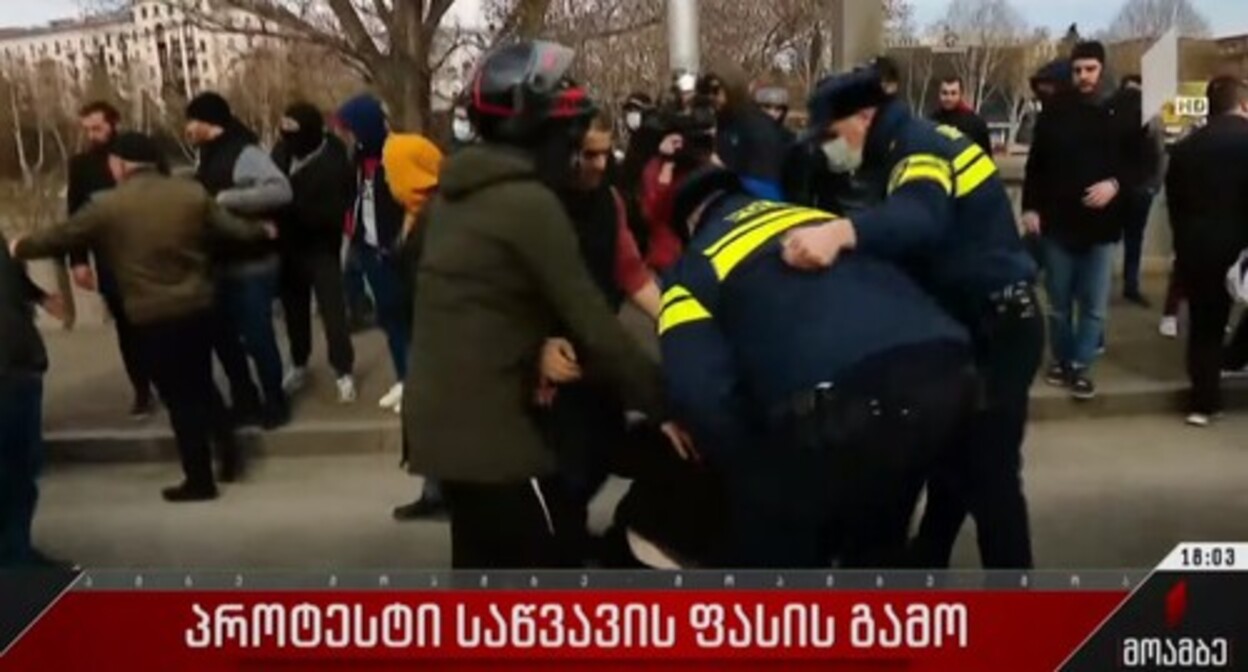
(154, 47)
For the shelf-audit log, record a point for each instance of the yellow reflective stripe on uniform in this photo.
(675, 294)
(759, 218)
(740, 247)
(975, 175)
(967, 157)
(682, 311)
(924, 168)
(949, 132)
(753, 210)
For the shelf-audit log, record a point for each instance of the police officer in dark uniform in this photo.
(820, 400)
(945, 215)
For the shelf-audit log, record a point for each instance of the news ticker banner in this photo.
(1190, 613)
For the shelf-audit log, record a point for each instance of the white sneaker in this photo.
(1169, 327)
(346, 390)
(295, 380)
(1199, 420)
(393, 398)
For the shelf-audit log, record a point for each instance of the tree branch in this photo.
(357, 33)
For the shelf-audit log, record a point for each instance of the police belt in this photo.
(833, 400)
(1015, 300)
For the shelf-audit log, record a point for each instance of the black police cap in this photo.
(695, 189)
(841, 96)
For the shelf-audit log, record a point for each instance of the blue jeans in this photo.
(249, 299)
(1078, 284)
(21, 455)
(384, 281)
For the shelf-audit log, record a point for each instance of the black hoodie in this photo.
(1077, 144)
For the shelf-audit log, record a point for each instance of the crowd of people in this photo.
(848, 317)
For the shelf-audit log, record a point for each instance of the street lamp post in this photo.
(682, 35)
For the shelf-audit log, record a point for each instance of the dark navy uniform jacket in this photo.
(946, 214)
(741, 332)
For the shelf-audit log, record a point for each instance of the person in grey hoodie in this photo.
(245, 181)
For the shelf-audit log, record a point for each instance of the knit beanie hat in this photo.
(412, 166)
(210, 108)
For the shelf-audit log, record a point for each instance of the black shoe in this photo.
(420, 509)
(1081, 386)
(275, 416)
(190, 493)
(1058, 375)
(1137, 299)
(142, 408)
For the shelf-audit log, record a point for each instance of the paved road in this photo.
(1105, 494)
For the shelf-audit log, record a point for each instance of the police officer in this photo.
(945, 214)
(811, 395)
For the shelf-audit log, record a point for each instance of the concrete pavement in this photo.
(1108, 493)
(88, 396)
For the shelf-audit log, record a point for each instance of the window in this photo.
(143, 13)
(203, 45)
(112, 59)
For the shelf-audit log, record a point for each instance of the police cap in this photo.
(694, 191)
(841, 96)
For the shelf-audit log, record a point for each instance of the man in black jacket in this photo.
(23, 362)
(88, 175)
(1207, 193)
(311, 242)
(1071, 198)
(956, 112)
(1144, 153)
(747, 141)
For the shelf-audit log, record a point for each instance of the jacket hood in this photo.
(1056, 72)
(412, 166)
(366, 119)
(477, 167)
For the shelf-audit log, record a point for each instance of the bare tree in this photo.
(982, 32)
(1151, 18)
(1021, 64)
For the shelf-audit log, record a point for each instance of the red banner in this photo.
(189, 631)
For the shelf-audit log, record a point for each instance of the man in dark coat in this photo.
(1143, 170)
(1071, 198)
(88, 176)
(23, 361)
(1207, 193)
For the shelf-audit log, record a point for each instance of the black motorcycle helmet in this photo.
(520, 89)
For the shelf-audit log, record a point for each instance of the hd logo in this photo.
(1173, 652)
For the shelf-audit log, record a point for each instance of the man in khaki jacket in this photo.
(157, 233)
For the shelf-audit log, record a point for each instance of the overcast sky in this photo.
(1229, 17)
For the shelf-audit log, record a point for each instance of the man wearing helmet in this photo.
(499, 269)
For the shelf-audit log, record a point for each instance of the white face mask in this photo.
(841, 157)
(462, 129)
(633, 121)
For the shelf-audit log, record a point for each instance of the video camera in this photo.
(694, 124)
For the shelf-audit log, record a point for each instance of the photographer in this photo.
(688, 141)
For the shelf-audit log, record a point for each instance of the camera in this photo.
(695, 125)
